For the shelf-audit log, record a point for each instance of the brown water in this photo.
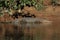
(42, 31)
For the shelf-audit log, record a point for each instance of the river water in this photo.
(42, 31)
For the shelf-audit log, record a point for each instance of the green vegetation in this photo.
(55, 2)
(16, 4)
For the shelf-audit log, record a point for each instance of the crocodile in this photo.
(30, 21)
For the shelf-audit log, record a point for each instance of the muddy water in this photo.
(43, 31)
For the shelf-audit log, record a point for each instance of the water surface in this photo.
(42, 31)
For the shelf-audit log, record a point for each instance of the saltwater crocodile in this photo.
(28, 20)
(31, 21)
